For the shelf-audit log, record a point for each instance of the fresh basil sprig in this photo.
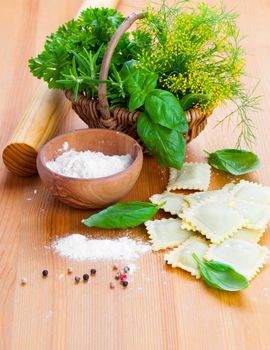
(220, 276)
(123, 215)
(162, 124)
(139, 84)
(164, 109)
(167, 145)
(234, 161)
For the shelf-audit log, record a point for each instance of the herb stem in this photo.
(162, 204)
(195, 257)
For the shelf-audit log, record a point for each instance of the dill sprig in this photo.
(245, 102)
(197, 49)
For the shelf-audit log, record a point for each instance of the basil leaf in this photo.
(234, 161)
(164, 109)
(168, 146)
(221, 276)
(190, 100)
(128, 68)
(136, 101)
(123, 215)
(138, 84)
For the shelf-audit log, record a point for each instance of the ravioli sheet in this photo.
(256, 215)
(252, 192)
(192, 176)
(166, 233)
(175, 203)
(248, 234)
(198, 197)
(182, 255)
(245, 257)
(214, 219)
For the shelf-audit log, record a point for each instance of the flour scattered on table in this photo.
(266, 292)
(65, 146)
(79, 247)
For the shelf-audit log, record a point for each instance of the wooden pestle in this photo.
(40, 121)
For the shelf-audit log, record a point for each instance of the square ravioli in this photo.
(199, 197)
(256, 215)
(214, 219)
(182, 255)
(166, 233)
(252, 192)
(187, 226)
(192, 176)
(248, 234)
(175, 203)
(245, 257)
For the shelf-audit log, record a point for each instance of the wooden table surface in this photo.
(162, 308)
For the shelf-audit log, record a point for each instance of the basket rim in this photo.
(70, 96)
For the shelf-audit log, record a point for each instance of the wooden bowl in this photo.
(91, 193)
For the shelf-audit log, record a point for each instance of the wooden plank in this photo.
(162, 308)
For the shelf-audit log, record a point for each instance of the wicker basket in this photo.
(98, 114)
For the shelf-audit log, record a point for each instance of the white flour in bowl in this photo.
(79, 247)
(88, 164)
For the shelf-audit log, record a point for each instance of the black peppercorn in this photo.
(126, 269)
(45, 273)
(85, 277)
(93, 271)
(124, 283)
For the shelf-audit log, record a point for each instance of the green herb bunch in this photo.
(196, 52)
(72, 55)
(181, 56)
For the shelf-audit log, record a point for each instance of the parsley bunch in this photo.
(73, 54)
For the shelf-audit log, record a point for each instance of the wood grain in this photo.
(162, 308)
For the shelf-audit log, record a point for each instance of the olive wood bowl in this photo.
(95, 192)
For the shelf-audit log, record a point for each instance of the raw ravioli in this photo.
(245, 257)
(199, 197)
(182, 255)
(252, 192)
(214, 219)
(256, 215)
(248, 234)
(229, 186)
(175, 203)
(192, 176)
(166, 233)
(187, 226)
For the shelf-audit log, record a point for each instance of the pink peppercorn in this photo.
(123, 277)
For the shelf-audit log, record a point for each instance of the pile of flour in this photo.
(79, 247)
(88, 164)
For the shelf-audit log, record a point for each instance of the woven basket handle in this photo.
(104, 70)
